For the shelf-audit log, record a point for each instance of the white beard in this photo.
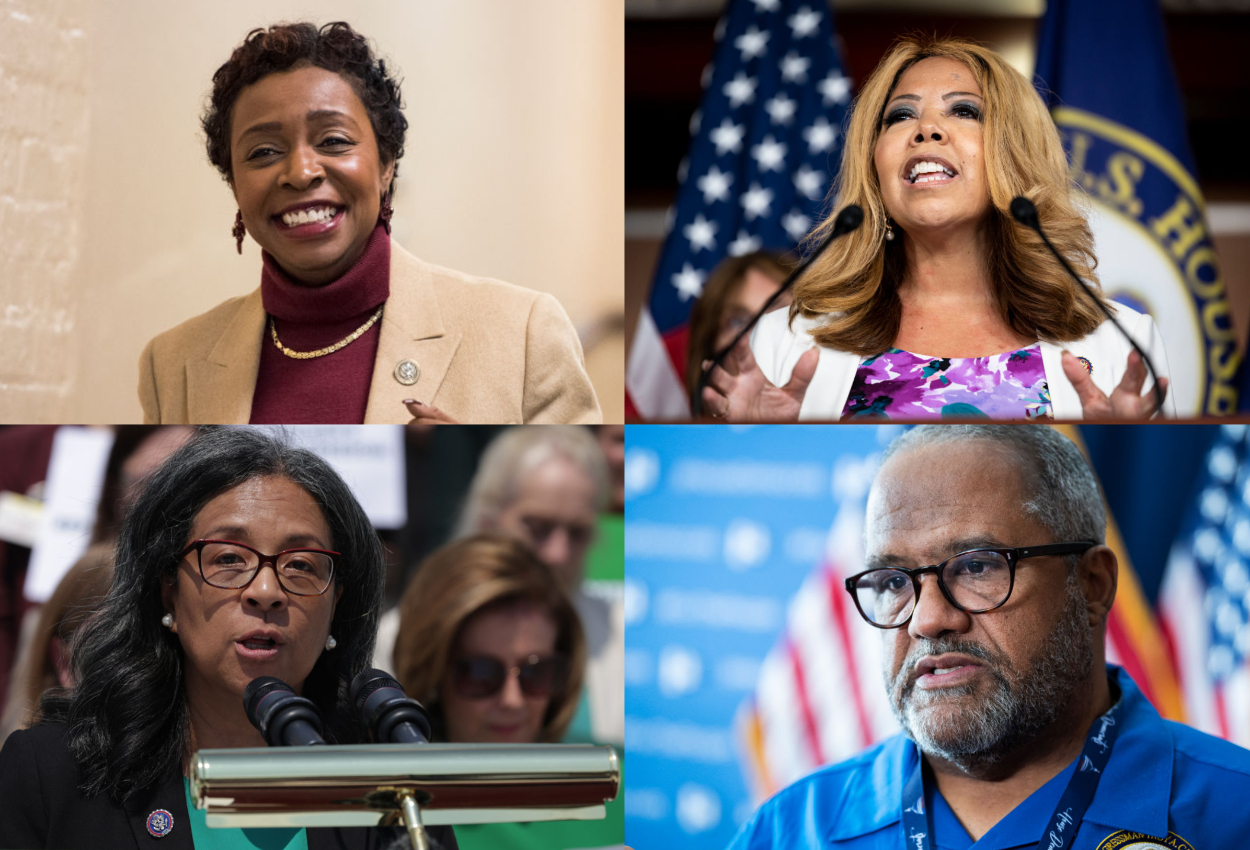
(1020, 705)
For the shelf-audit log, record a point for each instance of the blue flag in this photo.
(765, 144)
(1105, 72)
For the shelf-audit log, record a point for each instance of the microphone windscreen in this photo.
(849, 219)
(1023, 211)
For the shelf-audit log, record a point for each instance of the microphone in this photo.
(1024, 211)
(392, 716)
(850, 218)
(281, 715)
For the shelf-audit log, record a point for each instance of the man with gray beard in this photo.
(988, 578)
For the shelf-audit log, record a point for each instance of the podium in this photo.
(412, 784)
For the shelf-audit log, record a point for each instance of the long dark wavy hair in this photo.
(128, 720)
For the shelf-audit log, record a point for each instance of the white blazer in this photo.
(777, 347)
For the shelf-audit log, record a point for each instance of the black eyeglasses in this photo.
(478, 677)
(976, 581)
(230, 565)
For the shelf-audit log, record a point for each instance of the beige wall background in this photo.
(116, 227)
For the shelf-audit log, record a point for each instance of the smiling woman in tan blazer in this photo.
(305, 126)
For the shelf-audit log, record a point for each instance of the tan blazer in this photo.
(486, 351)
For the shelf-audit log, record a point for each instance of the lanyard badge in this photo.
(918, 821)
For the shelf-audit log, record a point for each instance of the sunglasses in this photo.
(478, 677)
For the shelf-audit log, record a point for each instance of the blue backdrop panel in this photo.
(723, 524)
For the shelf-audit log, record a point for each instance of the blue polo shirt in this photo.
(1166, 786)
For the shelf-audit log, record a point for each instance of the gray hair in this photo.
(1065, 497)
(517, 452)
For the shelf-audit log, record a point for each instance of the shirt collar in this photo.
(1133, 793)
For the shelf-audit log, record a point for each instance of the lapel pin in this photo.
(160, 822)
(407, 372)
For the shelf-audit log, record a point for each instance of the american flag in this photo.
(765, 144)
(1205, 597)
(820, 697)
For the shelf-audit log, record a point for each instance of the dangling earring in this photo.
(385, 211)
(331, 642)
(889, 231)
(168, 621)
(239, 230)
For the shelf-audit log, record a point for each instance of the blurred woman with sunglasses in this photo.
(490, 643)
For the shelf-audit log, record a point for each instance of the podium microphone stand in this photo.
(416, 785)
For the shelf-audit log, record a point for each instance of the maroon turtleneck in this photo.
(333, 388)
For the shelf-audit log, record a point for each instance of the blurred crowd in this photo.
(503, 611)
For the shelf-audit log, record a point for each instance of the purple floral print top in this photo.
(902, 385)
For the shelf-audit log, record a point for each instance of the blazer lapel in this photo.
(172, 797)
(220, 388)
(1064, 402)
(412, 331)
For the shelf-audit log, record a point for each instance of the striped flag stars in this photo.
(1205, 599)
(763, 147)
(809, 181)
(752, 44)
(689, 282)
(740, 90)
(804, 22)
(745, 243)
(715, 185)
(727, 137)
(835, 88)
(757, 201)
(701, 233)
(770, 154)
(794, 68)
(781, 109)
(796, 224)
(820, 137)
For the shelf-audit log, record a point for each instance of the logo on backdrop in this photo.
(1155, 253)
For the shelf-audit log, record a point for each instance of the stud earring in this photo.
(889, 231)
(331, 642)
(385, 212)
(239, 230)
(168, 621)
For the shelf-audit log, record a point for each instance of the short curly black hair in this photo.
(336, 47)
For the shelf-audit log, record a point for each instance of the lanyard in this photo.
(918, 821)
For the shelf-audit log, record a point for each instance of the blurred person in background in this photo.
(733, 293)
(197, 611)
(305, 124)
(612, 444)
(25, 451)
(42, 659)
(490, 643)
(547, 487)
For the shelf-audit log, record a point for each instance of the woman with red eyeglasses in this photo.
(243, 557)
(490, 643)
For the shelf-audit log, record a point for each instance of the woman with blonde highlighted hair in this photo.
(490, 643)
(940, 305)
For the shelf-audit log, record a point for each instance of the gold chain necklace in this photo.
(321, 352)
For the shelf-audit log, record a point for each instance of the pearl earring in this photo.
(168, 621)
(331, 642)
(889, 231)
